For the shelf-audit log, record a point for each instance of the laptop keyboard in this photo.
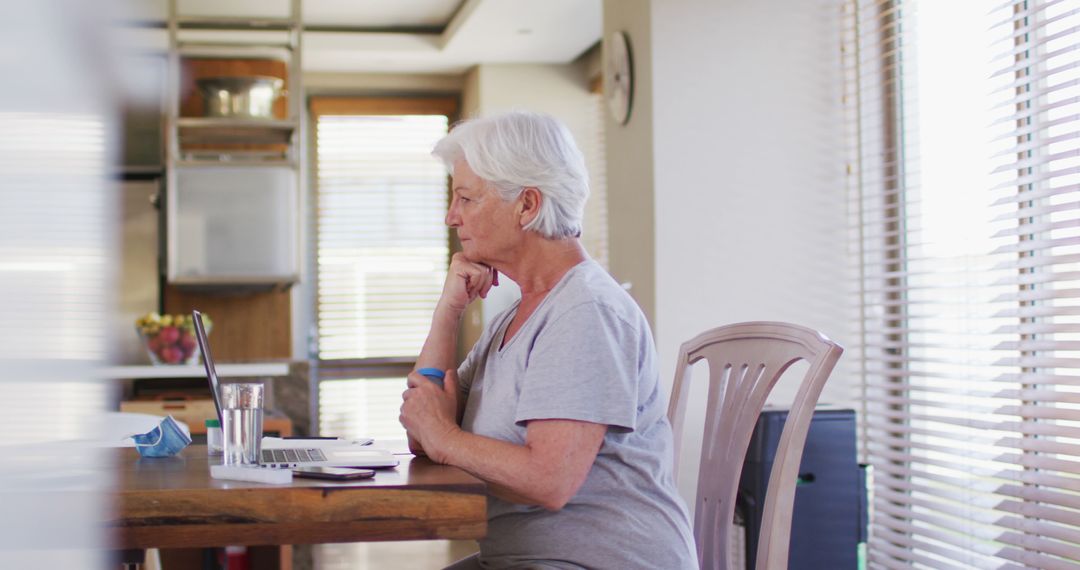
(291, 455)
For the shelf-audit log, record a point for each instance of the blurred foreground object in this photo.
(58, 230)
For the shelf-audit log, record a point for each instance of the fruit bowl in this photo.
(170, 339)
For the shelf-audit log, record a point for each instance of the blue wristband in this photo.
(433, 374)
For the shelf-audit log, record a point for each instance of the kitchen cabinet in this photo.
(232, 177)
(231, 224)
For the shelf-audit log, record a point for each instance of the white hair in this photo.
(518, 150)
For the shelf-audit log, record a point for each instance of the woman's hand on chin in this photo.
(465, 281)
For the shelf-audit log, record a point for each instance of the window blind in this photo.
(383, 245)
(966, 214)
(382, 250)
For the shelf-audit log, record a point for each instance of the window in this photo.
(966, 180)
(382, 253)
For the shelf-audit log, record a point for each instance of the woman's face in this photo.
(487, 226)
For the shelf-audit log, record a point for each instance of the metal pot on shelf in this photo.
(250, 97)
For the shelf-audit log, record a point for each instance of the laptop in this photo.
(328, 453)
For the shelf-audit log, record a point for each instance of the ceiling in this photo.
(410, 36)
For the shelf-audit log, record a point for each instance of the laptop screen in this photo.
(208, 362)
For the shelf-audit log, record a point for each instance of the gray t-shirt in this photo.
(585, 354)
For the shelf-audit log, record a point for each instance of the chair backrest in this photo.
(745, 362)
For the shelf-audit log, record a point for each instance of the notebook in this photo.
(326, 453)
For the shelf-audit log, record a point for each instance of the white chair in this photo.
(745, 362)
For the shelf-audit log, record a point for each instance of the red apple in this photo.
(187, 342)
(169, 335)
(171, 354)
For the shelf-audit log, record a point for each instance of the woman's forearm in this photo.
(440, 351)
(440, 347)
(513, 477)
(547, 471)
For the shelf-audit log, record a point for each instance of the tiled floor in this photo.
(412, 555)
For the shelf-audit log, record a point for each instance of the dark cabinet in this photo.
(828, 520)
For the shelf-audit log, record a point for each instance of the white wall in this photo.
(749, 200)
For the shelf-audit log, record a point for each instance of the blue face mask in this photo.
(163, 441)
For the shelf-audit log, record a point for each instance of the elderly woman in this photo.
(558, 406)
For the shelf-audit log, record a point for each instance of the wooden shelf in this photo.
(218, 22)
(199, 146)
(194, 370)
(207, 48)
(211, 158)
(210, 130)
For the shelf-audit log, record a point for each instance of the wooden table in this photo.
(174, 503)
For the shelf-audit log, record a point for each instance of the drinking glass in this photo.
(242, 415)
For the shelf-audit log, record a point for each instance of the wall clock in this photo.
(620, 77)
